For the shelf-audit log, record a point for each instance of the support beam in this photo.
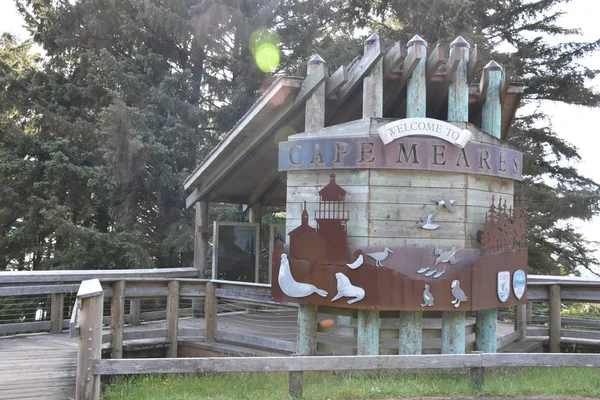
(436, 59)
(117, 313)
(453, 332)
(474, 63)
(492, 109)
(255, 213)
(414, 55)
(367, 335)
(392, 61)
(201, 238)
(458, 92)
(486, 327)
(358, 71)
(335, 82)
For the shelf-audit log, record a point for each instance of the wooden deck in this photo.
(43, 365)
(38, 366)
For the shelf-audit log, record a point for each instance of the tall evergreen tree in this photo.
(134, 93)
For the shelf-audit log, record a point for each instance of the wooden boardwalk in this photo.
(43, 365)
(38, 366)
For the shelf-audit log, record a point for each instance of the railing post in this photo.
(555, 320)
(172, 318)
(477, 375)
(521, 321)
(210, 312)
(56, 312)
(117, 311)
(295, 384)
(89, 319)
(135, 310)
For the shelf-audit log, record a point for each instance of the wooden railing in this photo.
(56, 284)
(557, 290)
(87, 321)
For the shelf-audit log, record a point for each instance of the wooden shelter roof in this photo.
(243, 168)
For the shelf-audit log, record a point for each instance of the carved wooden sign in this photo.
(403, 154)
(424, 126)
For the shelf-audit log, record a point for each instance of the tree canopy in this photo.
(97, 137)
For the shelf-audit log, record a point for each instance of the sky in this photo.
(577, 125)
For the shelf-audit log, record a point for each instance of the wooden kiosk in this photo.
(398, 191)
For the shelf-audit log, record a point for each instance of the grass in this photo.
(580, 382)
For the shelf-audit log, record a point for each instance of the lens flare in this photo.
(267, 57)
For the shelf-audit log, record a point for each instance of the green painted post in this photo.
(416, 91)
(410, 338)
(453, 322)
(458, 91)
(492, 109)
(367, 336)
(486, 327)
(453, 332)
(307, 330)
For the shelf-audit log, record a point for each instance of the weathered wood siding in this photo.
(385, 206)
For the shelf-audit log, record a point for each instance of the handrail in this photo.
(10, 277)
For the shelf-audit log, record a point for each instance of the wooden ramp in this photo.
(38, 366)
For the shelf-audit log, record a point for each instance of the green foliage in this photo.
(317, 386)
(97, 138)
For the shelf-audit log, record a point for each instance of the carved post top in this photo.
(416, 40)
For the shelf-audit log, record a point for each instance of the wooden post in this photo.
(56, 312)
(411, 332)
(255, 213)
(200, 250)
(367, 335)
(87, 386)
(555, 320)
(453, 332)
(521, 321)
(458, 91)
(491, 80)
(410, 338)
(486, 326)
(135, 310)
(117, 311)
(416, 90)
(210, 312)
(477, 376)
(172, 318)
(529, 314)
(373, 83)
(295, 384)
(453, 322)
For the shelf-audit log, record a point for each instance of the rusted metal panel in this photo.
(398, 286)
(504, 228)
(405, 154)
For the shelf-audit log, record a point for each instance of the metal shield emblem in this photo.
(503, 285)
(519, 283)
